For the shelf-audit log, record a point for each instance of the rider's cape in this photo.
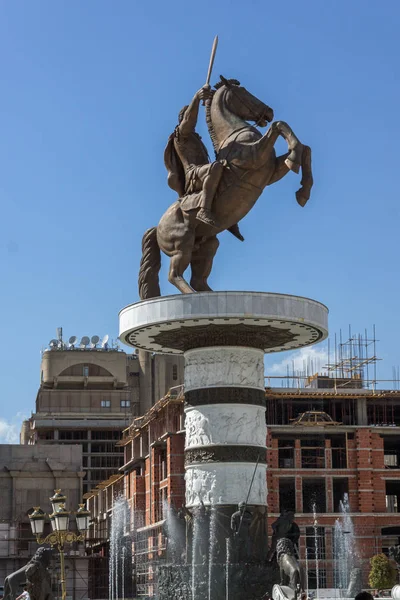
(176, 173)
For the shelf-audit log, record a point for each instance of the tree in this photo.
(383, 573)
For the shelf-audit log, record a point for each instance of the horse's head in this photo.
(243, 104)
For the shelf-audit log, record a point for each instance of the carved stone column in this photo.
(225, 426)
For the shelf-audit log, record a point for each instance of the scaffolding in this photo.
(354, 359)
(345, 363)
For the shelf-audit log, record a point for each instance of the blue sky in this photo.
(90, 93)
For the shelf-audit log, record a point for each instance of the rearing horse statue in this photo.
(251, 165)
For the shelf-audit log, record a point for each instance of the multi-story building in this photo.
(152, 477)
(325, 441)
(28, 477)
(88, 395)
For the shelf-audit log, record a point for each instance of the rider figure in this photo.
(195, 174)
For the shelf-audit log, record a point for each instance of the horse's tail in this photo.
(150, 265)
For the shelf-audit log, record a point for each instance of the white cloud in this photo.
(310, 359)
(9, 430)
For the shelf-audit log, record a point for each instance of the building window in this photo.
(46, 435)
(339, 452)
(86, 371)
(392, 496)
(391, 448)
(72, 435)
(314, 495)
(163, 464)
(125, 403)
(286, 454)
(340, 489)
(287, 494)
(164, 503)
(106, 435)
(313, 453)
(105, 403)
(175, 372)
(312, 579)
(390, 537)
(315, 543)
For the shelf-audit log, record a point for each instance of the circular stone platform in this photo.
(269, 322)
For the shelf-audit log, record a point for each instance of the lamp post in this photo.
(60, 535)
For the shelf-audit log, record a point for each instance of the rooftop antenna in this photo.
(53, 344)
(95, 340)
(59, 334)
(72, 341)
(85, 341)
(104, 342)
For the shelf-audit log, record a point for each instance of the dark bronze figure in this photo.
(241, 521)
(35, 575)
(216, 196)
(284, 549)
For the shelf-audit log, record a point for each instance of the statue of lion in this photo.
(34, 574)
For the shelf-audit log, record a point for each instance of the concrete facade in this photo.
(28, 477)
(87, 396)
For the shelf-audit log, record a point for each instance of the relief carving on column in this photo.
(218, 483)
(223, 367)
(225, 424)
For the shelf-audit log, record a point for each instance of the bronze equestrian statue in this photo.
(34, 574)
(216, 196)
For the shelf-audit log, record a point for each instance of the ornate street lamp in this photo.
(60, 534)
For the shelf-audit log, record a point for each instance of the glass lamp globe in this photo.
(52, 523)
(61, 518)
(37, 521)
(82, 518)
(57, 500)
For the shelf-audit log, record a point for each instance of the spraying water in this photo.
(212, 548)
(346, 556)
(119, 544)
(228, 560)
(316, 544)
(195, 540)
(173, 533)
(123, 572)
(307, 588)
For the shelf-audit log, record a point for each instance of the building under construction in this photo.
(330, 435)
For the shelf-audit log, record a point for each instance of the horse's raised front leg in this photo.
(303, 194)
(294, 159)
(258, 153)
(281, 169)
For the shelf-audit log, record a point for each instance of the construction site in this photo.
(333, 433)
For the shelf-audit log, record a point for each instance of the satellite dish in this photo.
(104, 341)
(85, 341)
(53, 344)
(95, 340)
(72, 341)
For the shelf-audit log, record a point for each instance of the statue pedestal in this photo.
(223, 337)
